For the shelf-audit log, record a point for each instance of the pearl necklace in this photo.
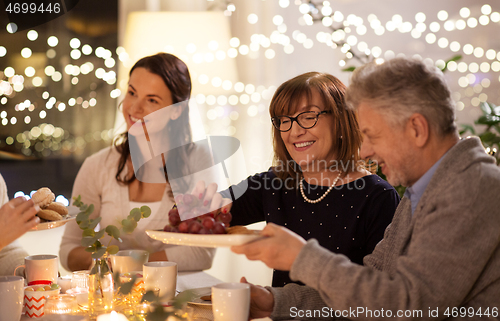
(322, 196)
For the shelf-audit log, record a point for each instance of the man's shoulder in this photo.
(465, 174)
(466, 159)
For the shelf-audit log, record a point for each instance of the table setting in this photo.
(125, 285)
(210, 299)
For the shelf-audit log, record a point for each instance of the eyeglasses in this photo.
(306, 120)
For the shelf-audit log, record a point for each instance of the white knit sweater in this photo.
(96, 183)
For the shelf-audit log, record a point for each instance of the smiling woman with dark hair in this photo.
(158, 84)
(318, 186)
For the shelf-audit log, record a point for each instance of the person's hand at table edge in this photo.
(277, 250)
(261, 301)
(16, 218)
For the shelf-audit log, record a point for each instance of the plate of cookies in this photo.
(236, 235)
(52, 214)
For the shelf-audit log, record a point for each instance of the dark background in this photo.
(94, 22)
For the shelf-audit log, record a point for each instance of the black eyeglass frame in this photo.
(277, 121)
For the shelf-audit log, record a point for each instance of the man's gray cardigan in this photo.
(444, 256)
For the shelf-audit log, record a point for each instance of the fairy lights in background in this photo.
(45, 139)
(343, 32)
(345, 36)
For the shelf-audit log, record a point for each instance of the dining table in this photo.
(185, 281)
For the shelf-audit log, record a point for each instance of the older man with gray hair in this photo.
(440, 256)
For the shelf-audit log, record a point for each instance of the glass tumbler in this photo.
(80, 280)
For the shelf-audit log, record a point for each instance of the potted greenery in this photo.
(490, 136)
(101, 285)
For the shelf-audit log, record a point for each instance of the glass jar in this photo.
(80, 280)
(101, 288)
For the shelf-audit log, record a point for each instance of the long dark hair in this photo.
(175, 74)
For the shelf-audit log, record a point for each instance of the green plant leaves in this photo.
(349, 69)
(91, 249)
(88, 232)
(99, 235)
(88, 241)
(487, 108)
(490, 138)
(113, 231)
(90, 209)
(145, 211)
(135, 214)
(467, 128)
(99, 253)
(454, 58)
(112, 249)
(90, 238)
(80, 217)
(129, 225)
(183, 298)
(149, 296)
(77, 201)
(94, 222)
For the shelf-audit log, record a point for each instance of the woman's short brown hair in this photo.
(345, 132)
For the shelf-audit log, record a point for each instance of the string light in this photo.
(343, 34)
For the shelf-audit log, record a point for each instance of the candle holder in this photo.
(61, 304)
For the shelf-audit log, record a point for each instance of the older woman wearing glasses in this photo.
(319, 188)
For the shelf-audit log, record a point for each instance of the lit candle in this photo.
(113, 316)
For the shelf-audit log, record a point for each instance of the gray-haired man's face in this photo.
(388, 146)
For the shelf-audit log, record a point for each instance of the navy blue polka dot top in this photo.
(350, 220)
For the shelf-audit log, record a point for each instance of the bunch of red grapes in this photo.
(202, 222)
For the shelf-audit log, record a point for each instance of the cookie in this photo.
(238, 229)
(43, 197)
(58, 207)
(49, 215)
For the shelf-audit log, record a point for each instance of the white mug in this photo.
(231, 301)
(128, 261)
(39, 269)
(11, 298)
(162, 276)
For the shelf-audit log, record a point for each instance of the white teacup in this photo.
(162, 276)
(11, 297)
(39, 269)
(231, 301)
(128, 260)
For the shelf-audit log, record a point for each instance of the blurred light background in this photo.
(61, 81)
